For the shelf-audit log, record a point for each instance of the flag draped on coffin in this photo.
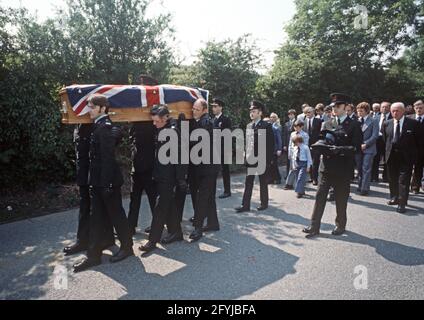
(124, 96)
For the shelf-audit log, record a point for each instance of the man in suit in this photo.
(203, 183)
(105, 181)
(336, 167)
(82, 136)
(385, 115)
(401, 136)
(365, 158)
(221, 122)
(169, 178)
(257, 128)
(319, 111)
(288, 128)
(143, 153)
(278, 148)
(419, 164)
(313, 127)
(350, 110)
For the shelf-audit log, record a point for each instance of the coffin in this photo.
(128, 103)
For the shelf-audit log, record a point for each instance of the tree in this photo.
(327, 52)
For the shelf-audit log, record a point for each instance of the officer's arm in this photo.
(107, 153)
(358, 137)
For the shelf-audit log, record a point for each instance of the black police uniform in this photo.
(143, 154)
(336, 171)
(223, 123)
(82, 136)
(168, 178)
(105, 181)
(203, 183)
(264, 179)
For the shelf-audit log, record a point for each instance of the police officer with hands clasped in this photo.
(338, 148)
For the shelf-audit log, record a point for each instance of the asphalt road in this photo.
(254, 256)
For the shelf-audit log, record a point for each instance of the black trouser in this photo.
(418, 172)
(381, 152)
(205, 201)
(316, 161)
(247, 197)
(106, 207)
(164, 212)
(274, 170)
(141, 182)
(227, 178)
(180, 198)
(399, 174)
(341, 184)
(83, 234)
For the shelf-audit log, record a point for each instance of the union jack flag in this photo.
(124, 96)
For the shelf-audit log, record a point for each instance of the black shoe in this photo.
(108, 245)
(393, 202)
(74, 249)
(148, 247)
(315, 183)
(225, 196)
(211, 229)
(338, 232)
(148, 230)
(401, 209)
(287, 187)
(311, 233)
(171, 238)
(86, 264)
(300, 195)
(242, 209)
(364, 193)
(262, 208)
(196, 235)
(331, 198)
(121, 255)
(191, 220)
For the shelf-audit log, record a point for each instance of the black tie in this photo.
(298, 154)
(310, 127)
(339, 121)
(363, 121)
(397, 134)
(420, 119)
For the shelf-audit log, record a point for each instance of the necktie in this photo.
(298, 154)
(310, 127)
(362, 122)
(420, 119)
(397, 134)
(339, 121)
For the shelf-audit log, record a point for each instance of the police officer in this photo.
(336, 167)
(203, 178)
(143, 153)
(169, 178)
(82, 135)
(257, 110)
(221, 122)
(105, 182)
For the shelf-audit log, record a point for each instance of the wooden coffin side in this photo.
(121, 115)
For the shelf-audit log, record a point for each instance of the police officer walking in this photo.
(105, 182)
(169, 178)
(336, 167)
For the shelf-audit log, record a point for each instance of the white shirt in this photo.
(342, 119)
(218, 116)
(383, 117)
(396, 124)
(422, 118)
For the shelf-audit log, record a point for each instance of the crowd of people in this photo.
(329, 146)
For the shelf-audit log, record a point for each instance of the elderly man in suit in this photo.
(365, 158)
(401, 136)
(385, 116)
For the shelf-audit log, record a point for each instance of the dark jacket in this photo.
(409, 140)
(82, 137)
(287, 131)
(142, 136)
(269, 138)
(168, 173)
(205, 123)
(314, 133)
(349, 134)
(104, 168)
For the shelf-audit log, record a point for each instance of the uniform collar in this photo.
(101, 118)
